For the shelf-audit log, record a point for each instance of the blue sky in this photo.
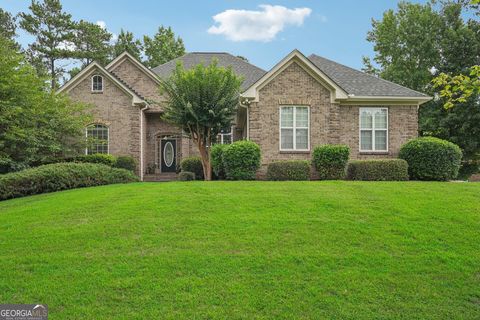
(264, 34)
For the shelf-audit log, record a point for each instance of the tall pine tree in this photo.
(92, 43)
(53, 30)
(127, 42)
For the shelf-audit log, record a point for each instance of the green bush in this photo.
(126, 162)
(378, 170)
(186, 176)
(60, 176)
(431, 159)
(193, 164)
(216, 160)
(102, 158)
(468, 168)
(331, 161)
(241, 160)
(289, 170)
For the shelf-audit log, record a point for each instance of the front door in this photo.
(168, 149)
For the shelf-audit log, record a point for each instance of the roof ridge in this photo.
(364, 73)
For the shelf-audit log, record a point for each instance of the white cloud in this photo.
(102, 24)
(261, 25)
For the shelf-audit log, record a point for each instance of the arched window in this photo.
(97, 83)
(97, 139)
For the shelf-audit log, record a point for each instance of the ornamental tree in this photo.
(201, 101)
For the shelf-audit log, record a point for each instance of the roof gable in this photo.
(127, 56)
(136, 98)
(296, 57)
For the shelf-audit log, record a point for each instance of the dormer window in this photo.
(97, 83)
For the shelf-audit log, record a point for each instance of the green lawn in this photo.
(246, 250)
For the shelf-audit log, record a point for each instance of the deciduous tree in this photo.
(36, 125)
(202, 101)
(163, 47)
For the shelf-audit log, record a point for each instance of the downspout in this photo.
(248, 123)
(141, 140)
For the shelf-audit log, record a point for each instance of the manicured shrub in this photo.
(378, 170)
(186, 176)
(289, 170)
(102, 158)
(241, 160)
(125, 162)
(331, 161)
(193, 164)
(60, 176)
(431, 159)
(216, 160)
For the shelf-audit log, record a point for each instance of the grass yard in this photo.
(246, 250)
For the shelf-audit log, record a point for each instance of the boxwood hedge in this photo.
(193, 164)
(289, 170)
(60, 176)
(378, 170)
(431, 159)
(241, 160)
(330, 161)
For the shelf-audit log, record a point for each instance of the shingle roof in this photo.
(359, 83)
(248, 71)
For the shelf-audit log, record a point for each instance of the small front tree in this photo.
(202, 101)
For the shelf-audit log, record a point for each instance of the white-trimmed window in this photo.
(374, 129)
(225, 136)
(294, 128)
(97, 83)
(97, 139)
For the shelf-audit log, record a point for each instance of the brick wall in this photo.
(113, 108)
(329, 122)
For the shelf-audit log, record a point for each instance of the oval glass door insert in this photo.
(168, 154)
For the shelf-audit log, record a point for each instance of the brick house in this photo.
(300, 103)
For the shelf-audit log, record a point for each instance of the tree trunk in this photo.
(205, 155)
(52, 73)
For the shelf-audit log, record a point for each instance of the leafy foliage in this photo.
(419, 41)
(431, 158)
(378, 170)
(35, 124)
(186, 176)
(193, 164)
(331, 161)
(53, 30)
(127, 42)
(241, 160)
(216, 159)
(162, 47)
(289, 170)
(125, 162)
(99, 158)
(202, 101)
(60, 176)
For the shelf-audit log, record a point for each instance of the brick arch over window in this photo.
(97, 138)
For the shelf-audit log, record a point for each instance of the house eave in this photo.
(383, 100)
